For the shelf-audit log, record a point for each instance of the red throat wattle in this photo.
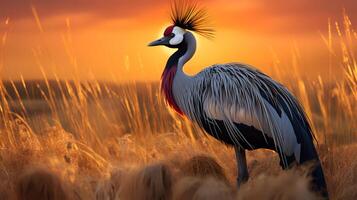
(167, 80)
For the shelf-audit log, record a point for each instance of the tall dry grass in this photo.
(83, 131)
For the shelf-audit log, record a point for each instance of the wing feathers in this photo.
(237, 93)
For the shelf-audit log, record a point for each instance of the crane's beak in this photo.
(161, 41)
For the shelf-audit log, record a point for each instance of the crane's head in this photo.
(173, 37)
(186, 16)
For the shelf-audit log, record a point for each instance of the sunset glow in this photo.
(107, 40)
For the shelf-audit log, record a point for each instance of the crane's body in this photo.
(236, 103)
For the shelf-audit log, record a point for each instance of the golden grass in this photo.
(203, 166)
(40, 184)
(288, 185)
(202, 189)
(97, 138)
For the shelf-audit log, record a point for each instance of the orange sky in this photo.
(107, 39)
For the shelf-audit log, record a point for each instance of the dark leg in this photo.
(243, 174)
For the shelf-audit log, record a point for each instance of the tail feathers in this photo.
(305, 153)
(318, 180)
(297, 152)
(309, 155)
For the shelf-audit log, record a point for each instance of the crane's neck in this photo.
(189, 50)
(174, 69)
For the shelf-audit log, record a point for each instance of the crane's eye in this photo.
(175, 38)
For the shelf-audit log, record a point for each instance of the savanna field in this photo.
(71, 139)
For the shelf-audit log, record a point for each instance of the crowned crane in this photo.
(235, 103)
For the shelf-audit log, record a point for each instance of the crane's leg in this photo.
(243, 174)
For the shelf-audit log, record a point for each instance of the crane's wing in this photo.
(237, 93)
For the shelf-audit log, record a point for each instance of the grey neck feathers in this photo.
(191, 49)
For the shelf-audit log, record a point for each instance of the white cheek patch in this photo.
(179, 32)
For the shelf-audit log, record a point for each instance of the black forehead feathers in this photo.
(188, 15)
